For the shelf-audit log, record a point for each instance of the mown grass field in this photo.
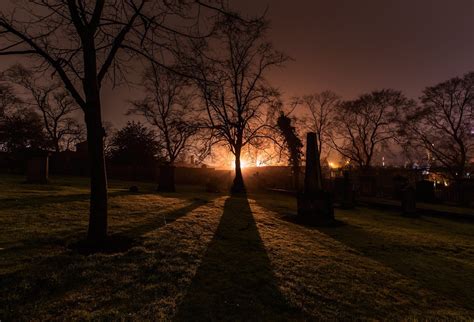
(201, 256)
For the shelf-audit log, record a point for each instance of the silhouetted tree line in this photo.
(86, 44)
(134, 144)
(37, 114)
(437, 130)
(205, 85)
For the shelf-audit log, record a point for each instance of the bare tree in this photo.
(322, 108)
(168, 107)
(364, 124)
(55, 106)
(85, 42)
(22, 129)
(444, 123)
(8, 99)
(233, 87)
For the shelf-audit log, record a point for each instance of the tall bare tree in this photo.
(233, 86)
(443, 124)
(54, 104)
(168, 107)
(322, 108)
(364, 124)
(22, 129)
(85, 42)
(8, 99)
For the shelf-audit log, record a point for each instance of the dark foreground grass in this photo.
(198, 256)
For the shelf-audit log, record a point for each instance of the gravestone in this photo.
(315, 205)
(409, 202)
(166, 179)
(37, 167)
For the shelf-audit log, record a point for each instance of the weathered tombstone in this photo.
(347, 192)
(409, 202)
(315, 205)
(166, 179)
(37, 167)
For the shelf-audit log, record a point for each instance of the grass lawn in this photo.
(201, 256)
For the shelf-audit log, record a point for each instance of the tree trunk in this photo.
(238, 185)
(97, 232)
(56, 146)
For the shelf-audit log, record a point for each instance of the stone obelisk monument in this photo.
(314, 204)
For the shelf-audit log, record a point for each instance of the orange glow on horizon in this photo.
(243, 164)
(333, 165)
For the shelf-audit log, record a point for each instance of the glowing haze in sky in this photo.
(353, 46)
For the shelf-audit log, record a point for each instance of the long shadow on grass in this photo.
(235, 279)
(35, 201)
(45, 280)
(432, 268)
(163, 219)
(134, 232)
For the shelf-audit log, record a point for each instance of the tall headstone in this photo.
(315, 205)
(312, 177)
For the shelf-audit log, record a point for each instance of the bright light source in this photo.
(243, 164)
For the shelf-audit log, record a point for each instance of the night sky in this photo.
(355, 46)
(352, 46)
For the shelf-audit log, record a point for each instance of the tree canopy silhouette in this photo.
(231, 76)
(443, 125)
(322, 109)
(293, 144)
(134, 144)
(22, 129)
(53, 103)
(86, 43)
(168, 107)
(366, 123)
